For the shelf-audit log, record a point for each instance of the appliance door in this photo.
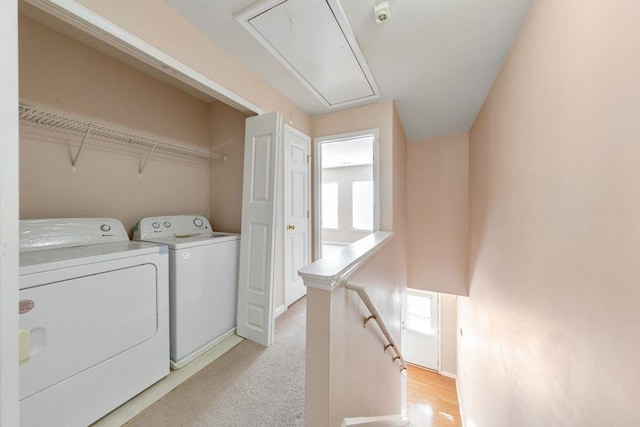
(203, 295)
(77, 322)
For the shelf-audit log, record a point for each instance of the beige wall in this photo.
(372, 116)
(448, 334)
(400, 192)
(158, 24)
(438, 213)
(346, 367)
(161, 26)
(400, 198)
(64, 75)
(438, 217)
(363, 381)
(550, 326)
(227, 136)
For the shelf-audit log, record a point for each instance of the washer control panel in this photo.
(171, 226)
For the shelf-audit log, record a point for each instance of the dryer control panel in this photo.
(171, 226)
(38, 234)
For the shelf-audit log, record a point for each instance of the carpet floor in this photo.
(250, 385)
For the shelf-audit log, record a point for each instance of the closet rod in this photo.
(47, 118)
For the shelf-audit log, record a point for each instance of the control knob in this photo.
(198, 222)
(156, 225)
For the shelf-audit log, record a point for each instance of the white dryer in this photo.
(203, 281)
(94, 319)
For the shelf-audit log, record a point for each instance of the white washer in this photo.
(94, 312)
(203, 281)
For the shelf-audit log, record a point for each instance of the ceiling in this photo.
(436, 58)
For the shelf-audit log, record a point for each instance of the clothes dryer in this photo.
(203, 281)
(94, 319)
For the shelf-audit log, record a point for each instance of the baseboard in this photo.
(389, 420)
(448, 374)
(279, 310)
(462, 417)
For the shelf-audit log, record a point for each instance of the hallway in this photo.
(250, 385)
(432, 400)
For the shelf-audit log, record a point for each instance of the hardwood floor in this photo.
(432, 400)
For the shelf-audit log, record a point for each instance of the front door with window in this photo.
(423, 337)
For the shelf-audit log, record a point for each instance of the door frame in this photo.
(9, 142)
(317, 179)
(288, 128)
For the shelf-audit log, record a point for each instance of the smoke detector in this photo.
(382, 12)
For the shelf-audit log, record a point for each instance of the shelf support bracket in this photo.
(74, 163)
(146, 160)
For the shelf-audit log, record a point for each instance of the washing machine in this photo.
(203, 281)
(94, 319)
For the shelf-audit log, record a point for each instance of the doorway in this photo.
(347, 190)
(423, 329)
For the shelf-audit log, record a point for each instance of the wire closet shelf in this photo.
(47, 118)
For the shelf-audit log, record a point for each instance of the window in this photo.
(330, 205)
(419, 315)
(362, 205)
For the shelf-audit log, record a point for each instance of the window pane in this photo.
(330, 205)
(362, 205)
(419, 316)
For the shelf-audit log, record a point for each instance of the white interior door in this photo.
(423, 329)
(297, 200)
(257, 243)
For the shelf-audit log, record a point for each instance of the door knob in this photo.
(291, 227)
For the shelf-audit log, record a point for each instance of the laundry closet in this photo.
(116, 178)
(101, 138)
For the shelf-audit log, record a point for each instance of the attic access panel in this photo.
(313, 39)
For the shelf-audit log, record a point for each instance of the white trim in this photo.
(439, 340)
(327, 273)
(463, 420)
(386, 420)
(102, 29)
(279, 311)
(9, 131)
(317, 178)
(448, 374)
(335, 243)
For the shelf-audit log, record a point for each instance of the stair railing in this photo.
(375, 315)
